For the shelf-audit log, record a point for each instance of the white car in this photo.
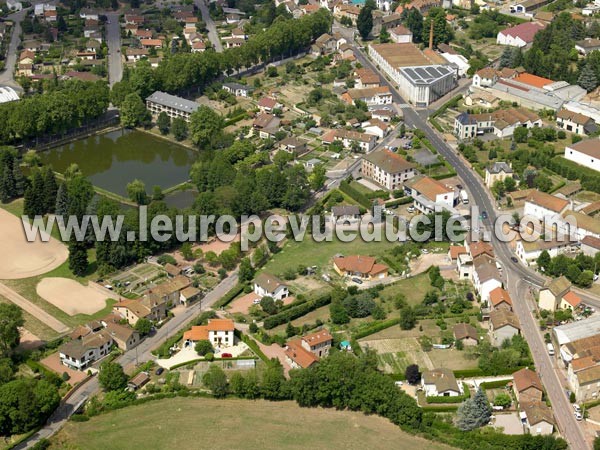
(424, 251)
(410, 209)
(576, 408)
(578, 416)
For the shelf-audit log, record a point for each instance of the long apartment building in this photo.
(174, 107)
(420, 79)
(387, 169)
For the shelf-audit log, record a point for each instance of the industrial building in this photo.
(419, 79)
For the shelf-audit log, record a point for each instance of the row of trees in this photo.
(68, 105)
(578, 270)
(11, 178)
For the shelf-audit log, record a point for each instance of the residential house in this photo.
(502, 123)
(124, 336)
(529, 251)
(266, 125)
(544, 206)
(570, 301)
(297, 356)
(585, 153)
(89, 14)
(430, 194)
(134, 19)
(374, 96)
(324, 44)
(503, 325)
(198, 47)
(168, 292)
(79, 354)
(400, 34)
(365, 78)
(387, 169)
(293, 145)
(385, 115)
(132, 310)
(500, 299)
(237, 89)
(486, 276)
(587, 46)
(440, 383)
(219, 332)
(575, 122)
(266, 284)
(139, 381)
(345, 213)
(319, 342)
(268, 104)
(135, 54)
(151, 43)
(485, 77)
(519, 35)
(527, 6)
(552, 293)
(590, 245)
(527, 385)
(173, 106)
(584, 378)
(359, 266)
(497, 171)
(539, 420)
(466, 333)
(343, 10)
(26, 57)
(454, 251)
(351, 139)
(172, 270)
(188, 295)
(578, 225)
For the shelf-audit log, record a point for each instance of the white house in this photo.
(266, 284)
(528, 252)
(237, 89)
(220, 333)
(387, 168)
(486, 276)
(14, 5)
(539, 420)
(585, 153)
(373, 96)
(575, 122)
(81, 353)
(440, 383)
(503, 325)
(485, 77)
(551, 295)
(429, 193)
(400, 34)
(590, 245)
(541, 205)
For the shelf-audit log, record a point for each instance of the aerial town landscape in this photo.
(463, 134)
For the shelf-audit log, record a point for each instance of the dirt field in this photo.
(71, 296)
(234, 424)
(28, 340)
(22, 259)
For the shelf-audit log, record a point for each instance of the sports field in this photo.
(186, 423)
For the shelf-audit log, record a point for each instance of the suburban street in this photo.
(113, 41)
(519, 278)
(139, 355)
(7, 77)
(213, 34)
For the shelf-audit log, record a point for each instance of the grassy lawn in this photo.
(27, 288)
(360, 187)
(311, 253)
(226, 424)
(414, 289)
(34, 325)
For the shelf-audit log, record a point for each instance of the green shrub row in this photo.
(590, 179)
(358, 197)
(446, 408)
(163, 350)
(399, 201)
(470, 373)
(236, 119)
(295, 312)
(254, 347)
(233, 293)
(393, 264)
(384, 195)
(450, 103)
(494, 384)
(443, 399)
(375, 327)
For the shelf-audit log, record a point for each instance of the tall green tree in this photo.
(62, 201)
(442, 32)
(112, 377)
(133, 111)
(506, 57)
(11, 318)
(164, 123)
(364, 22)
(414, 22)
(587, 78)
(179, 129)
(216, 380)
(136, 191)
(205, 126)
(50, 189)
(78, 259)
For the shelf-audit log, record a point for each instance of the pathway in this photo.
(32, 309)
(113, 41)
(213, 34)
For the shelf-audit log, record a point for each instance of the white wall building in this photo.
(266, 284)
(585, 153)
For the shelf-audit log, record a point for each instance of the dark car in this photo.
(357, 280)
(159, 371)
(484, 215)
(226, 355)
(514, 259)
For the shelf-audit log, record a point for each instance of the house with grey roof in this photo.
(174, 107)
(440, 383)
(498, 171)
(237, 89)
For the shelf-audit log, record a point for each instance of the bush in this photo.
(494, 384)
(375, 327)
(296, 311)
(355, 195)
(209, 356)
(233, 293)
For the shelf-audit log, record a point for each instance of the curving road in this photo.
(519, 278)
(133, 357)
(8, 76)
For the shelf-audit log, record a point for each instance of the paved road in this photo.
(7, 77)
(138, 355)
(113, 41)
(518, 277)
(213, 35)
(32, 309)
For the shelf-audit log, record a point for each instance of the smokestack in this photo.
(431, 36)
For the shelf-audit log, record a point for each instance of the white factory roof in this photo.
(7, 94)
(577, 330)
(426, 74)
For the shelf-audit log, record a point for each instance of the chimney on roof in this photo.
(431, 36)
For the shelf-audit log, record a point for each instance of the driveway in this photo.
(510, 423)
(53, 363)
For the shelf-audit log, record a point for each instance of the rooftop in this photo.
(318, 337)
(299, 354)
(268, 282)
(525, 379)
(547, 201)
(537, 412)
(402, 55)
(427, 74)
(389, 161)
(574, 331)
(590, 147)
(464, 330)
(498, 167)
(428, 187)
(443, 379)
(525, 31)
(502, 317)
(498, 296)
(359, 264)
(171, 101)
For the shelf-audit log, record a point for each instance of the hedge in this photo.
(295, 312)
(375, 327)
(163, 349)
(590, 179)
(254, 347)
(233, 293)
(236, 119)
(457, 399)
(384, 195)
(446, 408)
(494, 384)
(399, 201)
(359, 197)
(452, 102)
(470, 373)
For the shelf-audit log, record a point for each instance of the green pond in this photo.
(111, 160)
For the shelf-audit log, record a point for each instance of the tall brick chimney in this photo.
(431, 36)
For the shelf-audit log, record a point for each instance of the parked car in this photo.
(226, 355)
(514, 259)
(357, 280)
(410, 209)
(576, 408)
(578, 416)
(484, 215)
(159, 371)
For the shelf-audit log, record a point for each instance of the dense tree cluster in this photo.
(578, 270)
(11, 177)
(68, 105)
(474, 412)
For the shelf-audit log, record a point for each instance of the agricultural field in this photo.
(167, 423)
